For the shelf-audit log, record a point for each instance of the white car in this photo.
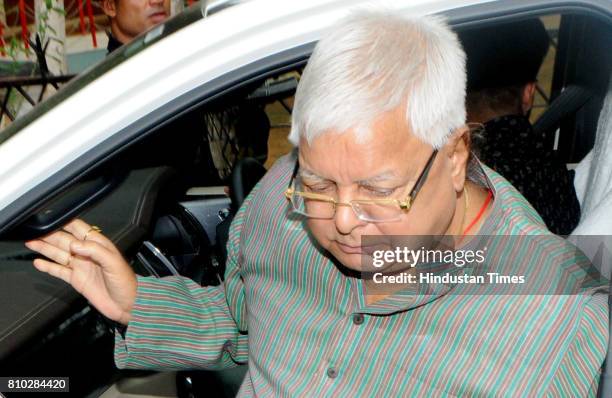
(143, 143)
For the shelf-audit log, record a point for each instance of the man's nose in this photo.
(346, 220)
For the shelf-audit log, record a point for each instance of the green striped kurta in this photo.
(305, 329)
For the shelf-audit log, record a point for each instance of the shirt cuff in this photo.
(121, 353)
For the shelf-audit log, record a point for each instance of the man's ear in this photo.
(458, 151)
(527, 97)
(110, 8)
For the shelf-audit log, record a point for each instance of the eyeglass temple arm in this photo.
(423, 177)
(294, 174)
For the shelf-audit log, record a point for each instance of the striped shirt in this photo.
(305, 329)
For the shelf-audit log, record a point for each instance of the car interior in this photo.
(167, 200)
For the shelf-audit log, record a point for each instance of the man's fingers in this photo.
(59, 239)
(83, 231)
(53, 269)
(50, 251)
(94, 251)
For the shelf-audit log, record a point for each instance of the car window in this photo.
(545, 75)
(256, 126)
(279, 113)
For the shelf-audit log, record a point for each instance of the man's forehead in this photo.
(397, 166)
(384, 152)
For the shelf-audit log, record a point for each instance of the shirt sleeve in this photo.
(579, 372)
(177, 324)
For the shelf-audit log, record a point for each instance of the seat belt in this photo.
(571, 99)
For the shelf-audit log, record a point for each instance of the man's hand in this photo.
(90, 262)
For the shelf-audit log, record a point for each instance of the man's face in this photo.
(385, 166)
(129, 18)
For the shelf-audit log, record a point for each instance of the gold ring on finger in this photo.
(93, 228)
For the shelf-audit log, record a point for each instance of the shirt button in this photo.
(332, 373)
(358, 319)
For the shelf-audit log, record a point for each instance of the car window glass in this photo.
(545, 75)
(279, 113)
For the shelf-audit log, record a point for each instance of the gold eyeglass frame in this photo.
(404, 205)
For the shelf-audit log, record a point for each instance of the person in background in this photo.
(502, 66)
(129, 18)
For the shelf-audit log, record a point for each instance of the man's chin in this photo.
(353, 261)
(362, 263)
(349, 261)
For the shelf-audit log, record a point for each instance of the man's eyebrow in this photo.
(305, 173)
(382, 177)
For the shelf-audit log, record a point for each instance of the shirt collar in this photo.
(113, 43)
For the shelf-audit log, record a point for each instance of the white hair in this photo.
(373, 62)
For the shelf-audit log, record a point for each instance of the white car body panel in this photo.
(234, 37)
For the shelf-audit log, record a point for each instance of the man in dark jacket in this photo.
(502, 67)
(129, 18)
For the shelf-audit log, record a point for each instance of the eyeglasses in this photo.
(315, 205)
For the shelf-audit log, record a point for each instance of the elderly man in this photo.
(384, 152)
(129, 18)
